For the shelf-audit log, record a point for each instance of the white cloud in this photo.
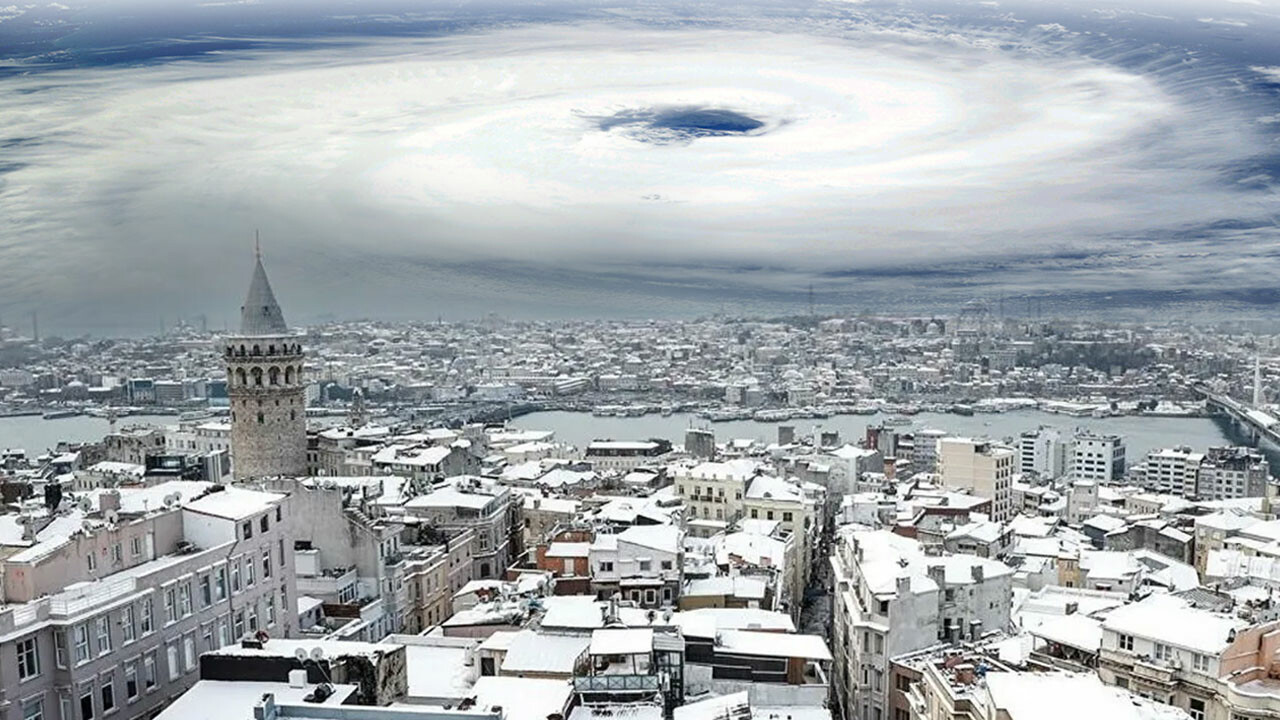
(478, 148)
(1270, 73)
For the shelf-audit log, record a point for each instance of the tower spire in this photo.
(257, 246)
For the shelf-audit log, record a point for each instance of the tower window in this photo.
(260, 419)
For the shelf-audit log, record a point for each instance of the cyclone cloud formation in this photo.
(632, 167)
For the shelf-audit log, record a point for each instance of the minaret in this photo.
(266, 388)
(1257, 381)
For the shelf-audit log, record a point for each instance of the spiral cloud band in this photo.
(623, 163)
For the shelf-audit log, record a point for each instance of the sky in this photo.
(622, 161)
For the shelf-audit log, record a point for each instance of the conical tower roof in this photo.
(261, 314)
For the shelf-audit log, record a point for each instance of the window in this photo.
(147, 612)
(1196, 709)
(128, 631)
(189, 653)
(33, 708)
(135, 546)
(170, 607)
(82, 643)
(28, 659)
(107, 689)
(279, 513)
(149, 671)
(266, 563)
(755, 514)
(253, 617)
(879, 644)
(1163, 652)
(263, 524)
(220, 583)
(1200, 662)
(92, 562)
(86, 702)
(247, 530)
(224, 637)
(171, 657)
(235, 576)
(271, 610)
(666, 564)
(117, 555)
(131, 680)
(237, 624)
(206, 592)
(104, 634)
(1125, 642)
(606, 566)
(768, 514)
(645, 565)
(249, 572)
(208, 638)
(60, 648)
(786, 517)
(184, 599)
(281, 563)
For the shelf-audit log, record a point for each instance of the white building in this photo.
(1097, 457)
(890, 598)
(980, 467)
(1170, 470)
(1044, 452)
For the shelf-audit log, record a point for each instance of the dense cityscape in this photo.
(973, 515)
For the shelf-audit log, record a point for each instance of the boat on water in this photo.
(60, 414)
(961, 409)
(195, 415)
(897, 420)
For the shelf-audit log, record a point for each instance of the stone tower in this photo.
(266, 388)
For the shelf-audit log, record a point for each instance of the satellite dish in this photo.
(86, 504)
(172, 499)
(317, 654)
(86, 525)
(300, 654)
(112, 516)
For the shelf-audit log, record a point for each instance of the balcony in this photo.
(616, 684)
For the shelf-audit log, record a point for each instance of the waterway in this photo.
(36, 435)
(1141, 434)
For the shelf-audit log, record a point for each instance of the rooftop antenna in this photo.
(257, 245)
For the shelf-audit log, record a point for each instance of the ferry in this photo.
(59, 414)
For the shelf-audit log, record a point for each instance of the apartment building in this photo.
(1097, 457)
(1214, 665)
(1232, 472)
(1045, 453)
(1170, 470)
(480, 505)
(626, 455)
(714, 490)
(108, 609)
(890, 598)
(643, 563)
(980, 467)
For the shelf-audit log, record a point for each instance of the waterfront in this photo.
(1141, 434)
(35, 434)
